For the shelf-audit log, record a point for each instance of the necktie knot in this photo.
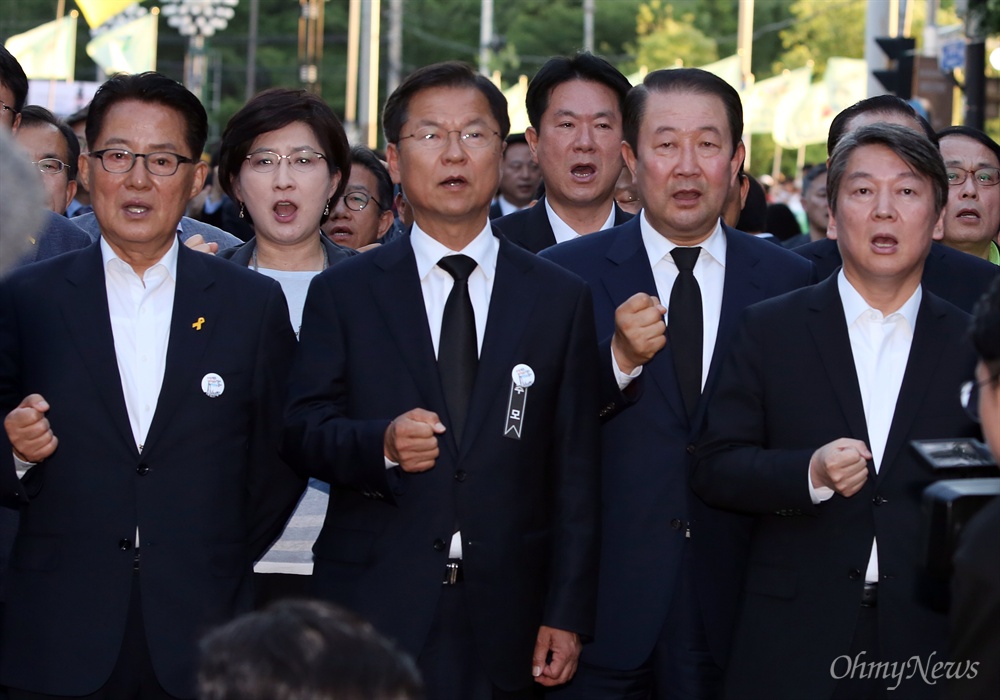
(685, 258)
(458, 266)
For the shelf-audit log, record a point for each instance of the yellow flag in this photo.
(47, 52)
(97, 12)
(729, 69)
(130, 48)
(760, 101)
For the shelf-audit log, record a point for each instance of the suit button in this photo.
(142, 469)
(125, 544)
(460, 475)
(439, 544)
(854, 574)
(676, 524)
(878, 500)
(690, 449)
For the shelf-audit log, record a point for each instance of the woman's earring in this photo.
(326, 212)
(242, 209)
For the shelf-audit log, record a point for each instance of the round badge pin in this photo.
(523, 376)
(213, 385)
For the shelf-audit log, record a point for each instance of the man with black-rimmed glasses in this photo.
(140, 386)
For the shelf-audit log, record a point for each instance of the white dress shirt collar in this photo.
(659, 246)
(564, 232)
(483, 249)
(168, 261)
(855, 305)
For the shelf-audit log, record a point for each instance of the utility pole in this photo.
(588, 25)
(485, 35)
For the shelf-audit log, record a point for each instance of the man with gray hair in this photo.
(809, 429)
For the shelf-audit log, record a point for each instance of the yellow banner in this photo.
(130, 48)
(47, 52)
(97, 12)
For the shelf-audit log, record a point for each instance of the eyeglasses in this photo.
(969, 396)
(987, 177)
(50, 166)
(357, 201)
(304, 161)
(433, 139)
(118, 161)
(4, 107)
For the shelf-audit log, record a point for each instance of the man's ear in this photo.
(531, 136)
(392, 161)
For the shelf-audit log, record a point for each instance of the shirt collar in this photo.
(855, 305)
(483, 249)
(563, 231)
(168, 261)
(659, 246)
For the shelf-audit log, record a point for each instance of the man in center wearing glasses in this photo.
(140, 386)
(452, 406)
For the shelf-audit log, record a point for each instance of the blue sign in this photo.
(952, 56)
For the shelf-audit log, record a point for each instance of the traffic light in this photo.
(898, 80)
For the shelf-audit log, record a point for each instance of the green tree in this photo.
(664, 39)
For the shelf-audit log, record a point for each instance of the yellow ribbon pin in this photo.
(197, 324)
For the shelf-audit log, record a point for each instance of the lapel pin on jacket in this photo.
(213, 385)
(198, 324)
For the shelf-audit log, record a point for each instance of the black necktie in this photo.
(684, 329)
(458, 354)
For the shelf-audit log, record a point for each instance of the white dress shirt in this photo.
(436, 285)
(880, 345)
(140, 310)
(507, 206)
(709, 270)
(564, 232)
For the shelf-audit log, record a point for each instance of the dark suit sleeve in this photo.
(614, 399)
(319, 439)
(572, 594)
(735, 470)
(272, 487)
(11, 491)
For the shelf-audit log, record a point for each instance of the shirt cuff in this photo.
(623, 379)
(389, 464)
(22, 467)
(818, 494)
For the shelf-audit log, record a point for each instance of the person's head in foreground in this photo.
(303, 650)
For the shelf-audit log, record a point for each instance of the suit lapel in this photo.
(833, 345)
(85, 307)
(538, 229)
(511, 302)
(741, 287)
(193, 301)
(929, 340)
(630, 275)
(399, 298)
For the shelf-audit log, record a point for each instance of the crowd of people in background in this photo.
(587, 412)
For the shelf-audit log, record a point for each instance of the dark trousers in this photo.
(679, 668)
(270, 588)
(449, 663)
(854, 687)
(133, 677)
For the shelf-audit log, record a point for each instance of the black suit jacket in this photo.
(208, 491)
(527, 508)
(530, 228)
(646, 503)
(787, 387)
(950, 274)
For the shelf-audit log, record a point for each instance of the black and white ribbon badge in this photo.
(522, 377)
